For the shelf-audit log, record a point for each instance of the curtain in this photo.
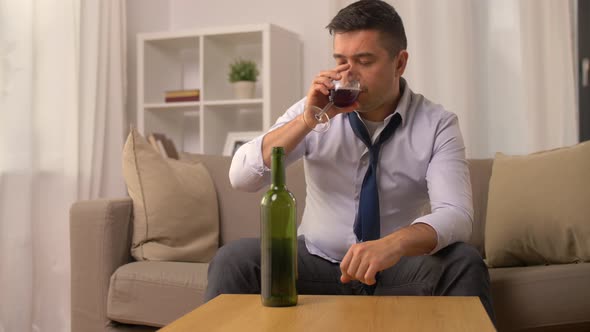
(61, 133)
(505, 67)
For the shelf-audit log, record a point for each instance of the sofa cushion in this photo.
(155, 293)
(480, 171)
(541, 296)
(538, 208)
(176, 216)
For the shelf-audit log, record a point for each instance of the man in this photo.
(368, 177)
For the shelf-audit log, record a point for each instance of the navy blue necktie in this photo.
(367, 225)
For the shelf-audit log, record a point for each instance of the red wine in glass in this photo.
(344, 97)
(344, 94)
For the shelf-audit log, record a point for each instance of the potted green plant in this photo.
(243, 75)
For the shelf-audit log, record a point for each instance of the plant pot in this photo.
(244, 89)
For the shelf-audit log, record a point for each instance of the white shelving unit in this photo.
(200, 59)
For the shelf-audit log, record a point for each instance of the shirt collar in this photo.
(403, 104)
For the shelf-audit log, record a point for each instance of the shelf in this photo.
(234, 102)
(165, 107)
(183, 106)
(192, 114)
(200, 59)
(177, 43)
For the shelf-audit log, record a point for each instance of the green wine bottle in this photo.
(278, 239)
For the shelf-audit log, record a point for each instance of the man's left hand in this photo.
(364, 260)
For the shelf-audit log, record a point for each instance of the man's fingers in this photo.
(342, 67)
(361, 271)
(334, 74)
(370, 275)
(345, 279)
(344, 267)
(322, 89)
(323, 81)
(353, 266)
(345, 261)
(329, 75)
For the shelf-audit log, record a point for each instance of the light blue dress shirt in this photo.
(424, 162)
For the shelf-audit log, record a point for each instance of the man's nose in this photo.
(351, 74)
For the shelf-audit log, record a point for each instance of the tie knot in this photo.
(360, 130)
(374, 153)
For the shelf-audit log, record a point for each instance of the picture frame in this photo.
(236, 139)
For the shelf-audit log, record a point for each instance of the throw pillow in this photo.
(539, 208)
(176, 215)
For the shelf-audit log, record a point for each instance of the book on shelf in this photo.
(182, 95)
(163, 145)
(181, 99)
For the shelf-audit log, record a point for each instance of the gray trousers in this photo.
(455, 270)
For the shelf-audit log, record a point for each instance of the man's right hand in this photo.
(292, 133)
(319, 92)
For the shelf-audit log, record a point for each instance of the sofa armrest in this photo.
(100, 242)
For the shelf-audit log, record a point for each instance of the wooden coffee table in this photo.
(338, 313)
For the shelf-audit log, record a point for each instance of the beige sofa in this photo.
(111, 292)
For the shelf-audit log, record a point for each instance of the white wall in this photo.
(307, 18)
(142, 16)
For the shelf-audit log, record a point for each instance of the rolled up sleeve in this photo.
(449, 187)
(247, 171)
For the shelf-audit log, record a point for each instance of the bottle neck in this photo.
(278, 170)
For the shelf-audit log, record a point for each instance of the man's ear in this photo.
(402, 61)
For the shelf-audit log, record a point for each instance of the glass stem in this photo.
(324, 110)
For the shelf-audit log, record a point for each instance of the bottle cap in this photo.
(278, 150)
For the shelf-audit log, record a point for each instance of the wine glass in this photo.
(344, 94)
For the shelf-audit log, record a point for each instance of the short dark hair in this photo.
(372, 15)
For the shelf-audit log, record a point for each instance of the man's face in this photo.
(372, 65)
